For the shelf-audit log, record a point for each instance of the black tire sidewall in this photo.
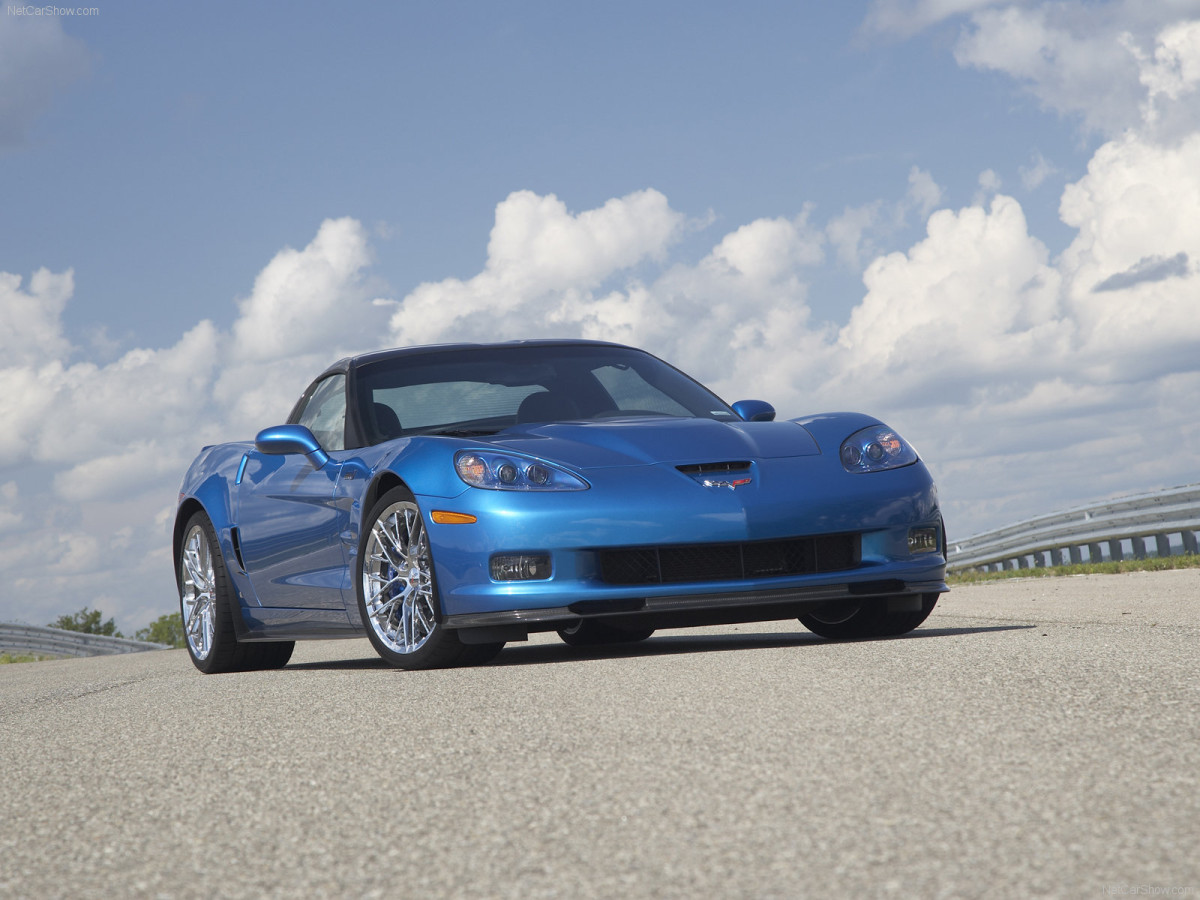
(872, 620)
(588, 633)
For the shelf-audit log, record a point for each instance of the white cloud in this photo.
(924, 194)
(767, 249)
(904, 18)
(91, 455)
(37, 61)
(848, 233)
(1171, 76)
(976, 300)
(1034, 175)
(1174, 70)
(145, 461)
(1111, 64)
(858, 231)
(1136, 203)
(29, 320)
(300, 299)
(989, 181)
(540, 256)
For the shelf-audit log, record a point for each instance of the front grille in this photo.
(730, 562)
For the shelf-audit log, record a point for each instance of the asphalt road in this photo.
(1035, 738)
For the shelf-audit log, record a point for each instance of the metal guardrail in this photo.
(31, 640)
(1094, 533)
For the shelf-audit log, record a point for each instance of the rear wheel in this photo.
(206, 599)
(587, 633)
(870, 618)
(397, 591)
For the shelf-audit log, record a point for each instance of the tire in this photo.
(206, 598)
(869, 619)
(588, 633)
(397, 591)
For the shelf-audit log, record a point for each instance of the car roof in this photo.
(349, 362)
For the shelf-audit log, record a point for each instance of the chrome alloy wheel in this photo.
(397, 579)
(198, 592)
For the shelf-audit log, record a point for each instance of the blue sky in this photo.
(974, 219)
(200, 141)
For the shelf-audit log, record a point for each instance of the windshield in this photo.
(488, 389)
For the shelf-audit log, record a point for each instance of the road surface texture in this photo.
(1038, 737)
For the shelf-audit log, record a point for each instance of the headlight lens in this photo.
(875, 449)
(509, 472)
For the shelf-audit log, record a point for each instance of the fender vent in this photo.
(236, 539)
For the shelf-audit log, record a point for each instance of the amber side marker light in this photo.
(443, 517)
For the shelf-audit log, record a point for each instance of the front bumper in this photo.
(789, 498)
(683, 609)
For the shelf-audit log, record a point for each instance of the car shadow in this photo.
(661, 644)
(673, 644)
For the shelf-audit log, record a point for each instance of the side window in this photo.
(325, 413)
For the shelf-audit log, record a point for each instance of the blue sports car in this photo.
(445, 500)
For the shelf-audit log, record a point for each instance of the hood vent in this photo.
(714, 468)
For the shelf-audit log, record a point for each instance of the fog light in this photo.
(922, 540)
(520, 567)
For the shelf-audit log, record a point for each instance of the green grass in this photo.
(1152, 564)
(6, 658)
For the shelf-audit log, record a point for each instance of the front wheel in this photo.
(870, 618)
(397, 591)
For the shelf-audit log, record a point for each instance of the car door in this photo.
(290, 523)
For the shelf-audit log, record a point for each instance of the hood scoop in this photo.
(715, 468)
(731, 474)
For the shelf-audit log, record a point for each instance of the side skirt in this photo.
(276, 624)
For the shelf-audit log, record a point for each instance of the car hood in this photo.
(642, 441)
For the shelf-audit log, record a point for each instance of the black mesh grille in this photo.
(730, 562)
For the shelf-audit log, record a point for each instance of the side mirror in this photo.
(283, 439)
(755, 410)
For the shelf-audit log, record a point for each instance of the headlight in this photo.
(874, 449)
(508, 472)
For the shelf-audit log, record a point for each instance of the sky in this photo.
(978, 221)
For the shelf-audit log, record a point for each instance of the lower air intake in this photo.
(677, 563)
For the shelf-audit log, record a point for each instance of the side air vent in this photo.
(739, 465)
(236, 539)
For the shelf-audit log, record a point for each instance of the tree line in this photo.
(166, 629)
